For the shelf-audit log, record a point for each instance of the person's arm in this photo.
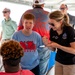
(63, 48)
(71, 41)
(14, 25)
(46, 41)
(1, 35)
(68, 49)
(1, 31)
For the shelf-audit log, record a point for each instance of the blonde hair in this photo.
(58, 16)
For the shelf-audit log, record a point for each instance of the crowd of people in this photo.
(26, 48)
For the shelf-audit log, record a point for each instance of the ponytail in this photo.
(66, 20)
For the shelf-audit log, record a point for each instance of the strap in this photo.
(1, 67)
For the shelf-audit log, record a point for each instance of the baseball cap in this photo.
(38, 2)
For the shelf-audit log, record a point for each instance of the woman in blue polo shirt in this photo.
(62, 37)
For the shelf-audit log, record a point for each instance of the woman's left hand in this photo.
(53, 45)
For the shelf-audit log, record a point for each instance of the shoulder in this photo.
(36, 33)
(3, 21)
(43, 11)
(17, 33)
(2, 73)
(13, 21)
(69, 30)
(46, 11)
(51, 30)
(27, 72)
(71, 16)
(28, 11)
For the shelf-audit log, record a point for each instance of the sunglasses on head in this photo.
(51, 24)
(5, 11)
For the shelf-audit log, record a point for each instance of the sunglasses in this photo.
(5, 11)
(62, 8)
(51, 24)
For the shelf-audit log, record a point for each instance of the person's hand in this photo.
(52, 44)
(45, 40)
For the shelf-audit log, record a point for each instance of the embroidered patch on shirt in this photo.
(64, 36)
(55, 37)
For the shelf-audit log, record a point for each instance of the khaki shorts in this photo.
(61, 69)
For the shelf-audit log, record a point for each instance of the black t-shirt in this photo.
(64, 39)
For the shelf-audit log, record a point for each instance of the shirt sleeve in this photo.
(15, 37)
(50, 33)
(14, 25)
(27, 72)
(71, 35)
(39, 40)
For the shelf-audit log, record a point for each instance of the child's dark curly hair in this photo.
(11, 50)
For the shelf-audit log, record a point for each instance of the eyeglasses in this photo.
(5, 11)
(62, 8)
(51, 24)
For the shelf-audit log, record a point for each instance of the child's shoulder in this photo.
(27, 72)
(36, 33)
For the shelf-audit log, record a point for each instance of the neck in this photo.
(26, 33)
(6, 18)
(59, 32)
(10, 69)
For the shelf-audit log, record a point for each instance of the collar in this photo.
(8, 19)
(38, 7)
